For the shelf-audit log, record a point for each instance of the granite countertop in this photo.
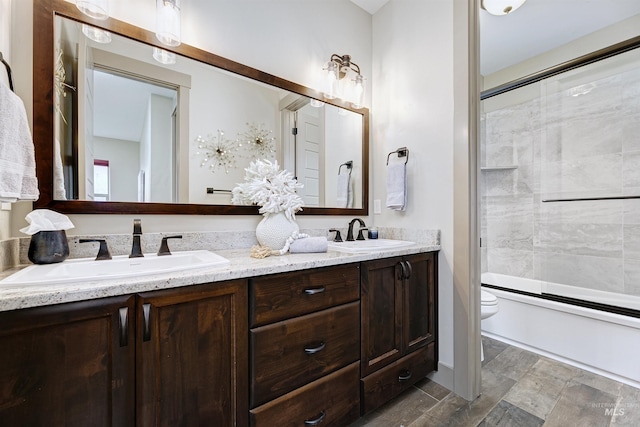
(241, 266)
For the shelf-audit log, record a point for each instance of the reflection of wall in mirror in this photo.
(343, 142)
(227, 103)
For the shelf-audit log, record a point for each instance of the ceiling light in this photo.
(501, 7)
(96, 34)
(168, 22)
(96, 9)
(343, 80)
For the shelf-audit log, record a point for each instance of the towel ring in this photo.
(349, 166)
(6, 65)
(402, 152)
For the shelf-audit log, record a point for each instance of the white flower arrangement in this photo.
(271, 189)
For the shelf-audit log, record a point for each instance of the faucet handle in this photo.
(338, 237)
(103, 251)
(360, 235)
(164, 246)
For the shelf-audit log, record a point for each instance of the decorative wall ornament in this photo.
(60, 85)
(218, 152)
(259, 140)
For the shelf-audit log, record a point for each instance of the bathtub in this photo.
(597, 341)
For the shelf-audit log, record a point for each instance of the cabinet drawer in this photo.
(281, 296)
(291, 353)
(388, 382)
(333, 400)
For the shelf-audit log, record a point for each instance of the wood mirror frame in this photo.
(44, 12)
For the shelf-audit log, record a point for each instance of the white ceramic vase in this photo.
(274, 230)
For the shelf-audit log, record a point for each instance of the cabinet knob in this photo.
(316, 421)
(314, 291)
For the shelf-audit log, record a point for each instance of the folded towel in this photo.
(17, 159)
(345, 194)
(309, 244)
(397, 186)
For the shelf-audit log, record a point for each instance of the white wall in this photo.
(413, 107)
(124, 163)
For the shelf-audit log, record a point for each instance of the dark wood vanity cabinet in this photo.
(68, 364)
(305, 347)
(163, 358)
(399, 315)
(311, 347)
(191, 366)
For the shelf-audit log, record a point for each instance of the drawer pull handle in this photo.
(123, 316)
(314, 291)
(404, 376)
(146, 329)
(409, 268)
(317, 420)
(314, 350)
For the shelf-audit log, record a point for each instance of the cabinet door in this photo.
(419, 300)
(68, 365)
(192, 356)
(381, 307)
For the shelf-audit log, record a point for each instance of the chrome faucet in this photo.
(350, 230)
(136, 250)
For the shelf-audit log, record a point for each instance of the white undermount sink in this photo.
(371, 245)
(88, 269)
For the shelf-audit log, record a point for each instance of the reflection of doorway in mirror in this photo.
(310, 154)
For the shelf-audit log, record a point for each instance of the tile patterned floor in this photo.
(519, 389)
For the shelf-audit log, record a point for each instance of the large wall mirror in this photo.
(116, 131)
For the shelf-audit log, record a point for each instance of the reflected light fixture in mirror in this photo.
(96, 34)
(340, 84)
(164, 56)
(96, 9)
(168, 22)
(501, 7)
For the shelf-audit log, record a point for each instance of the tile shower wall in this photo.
(571, 136)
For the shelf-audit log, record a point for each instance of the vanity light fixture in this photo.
(168, 22)
(96, 9)
(96, 34)
(501, 7)
(164, 56)
(343, 80)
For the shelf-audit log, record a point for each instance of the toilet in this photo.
(488, 307)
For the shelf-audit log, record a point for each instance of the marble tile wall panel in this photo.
(631, 169)
(589, 175)
(9, 253)
(510, 235)
(631, 211)
(632, 277)
(511, 262)
(589, 272)
(600, 240)
(632, 241)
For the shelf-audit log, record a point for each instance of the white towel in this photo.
(59, 192)
(309, 245)
(17, 159)
(345, 194)
(397, 186)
